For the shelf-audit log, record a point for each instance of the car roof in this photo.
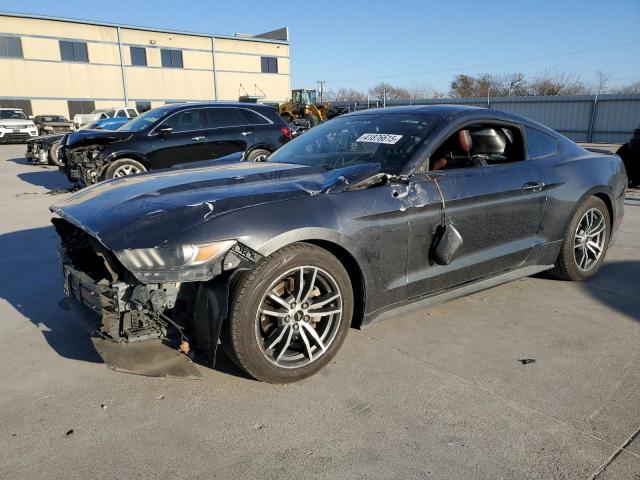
(178, 106)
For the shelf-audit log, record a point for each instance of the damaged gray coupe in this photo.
(362, 218)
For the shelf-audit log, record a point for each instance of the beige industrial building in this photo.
(64, 66)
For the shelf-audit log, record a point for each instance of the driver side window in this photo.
(479, 145)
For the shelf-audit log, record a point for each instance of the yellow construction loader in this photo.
(304, 105)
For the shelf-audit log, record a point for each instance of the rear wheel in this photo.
(258, 155)
(585, 242)
(123, 168)
(289, 315)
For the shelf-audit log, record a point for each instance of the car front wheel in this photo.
(585, 243)
(289, 315)
(123, 168)
(53, 158)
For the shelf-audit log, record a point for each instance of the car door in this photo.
(227, 132)
(496, 208)
(186, 142)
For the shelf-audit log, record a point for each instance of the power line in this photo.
(496, 64)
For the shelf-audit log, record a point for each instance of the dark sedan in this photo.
(362, 218)
(174, 134)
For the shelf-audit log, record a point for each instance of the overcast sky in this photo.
(358, 43)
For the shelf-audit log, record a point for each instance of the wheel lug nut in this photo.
(306, 317)
(305, 305)
(295, 326)
(293, 304)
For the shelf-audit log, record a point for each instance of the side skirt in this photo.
(457, 292)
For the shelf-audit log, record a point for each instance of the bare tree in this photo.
(343, 94)
(602, 79)
(420, 91)
(553, 82)
(390, 92)
(518, 86)
(631, 89)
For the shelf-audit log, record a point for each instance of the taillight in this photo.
(286, 131)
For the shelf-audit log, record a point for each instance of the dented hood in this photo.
(84, 137)
(150, 209)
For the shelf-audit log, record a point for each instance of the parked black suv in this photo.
(173, 134)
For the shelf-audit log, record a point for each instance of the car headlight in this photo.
(48, 129)
(181, 263)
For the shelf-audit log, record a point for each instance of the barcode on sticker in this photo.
(379, 138)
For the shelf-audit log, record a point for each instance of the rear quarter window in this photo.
(253, 118)
(540, 144)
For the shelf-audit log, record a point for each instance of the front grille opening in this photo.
(86, 254)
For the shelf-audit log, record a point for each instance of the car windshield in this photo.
(13, 114)
(52, 118)
(146, 120)
(385, 138)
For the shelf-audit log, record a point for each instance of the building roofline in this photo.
(252, 38)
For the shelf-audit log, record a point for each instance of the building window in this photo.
(73, 51)
(11, 47)
(80, 106)
(24, 105)
(171, 58)
(143, 106)
(269, 64)
(138, 56)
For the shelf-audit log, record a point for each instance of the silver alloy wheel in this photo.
(124, 170)
(588, 243)
(260, 158)
(298, 317)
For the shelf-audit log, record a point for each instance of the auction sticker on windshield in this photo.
(379, 138)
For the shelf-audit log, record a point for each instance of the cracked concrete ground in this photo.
(435, 394)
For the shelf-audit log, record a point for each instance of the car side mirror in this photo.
(164, 131)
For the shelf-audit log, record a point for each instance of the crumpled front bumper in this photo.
(37, 154)
(80, 169)
(128, 312)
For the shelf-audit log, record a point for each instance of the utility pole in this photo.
(321, 89)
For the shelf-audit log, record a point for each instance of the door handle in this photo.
(197, 139)
(533, 186)
(244, 134)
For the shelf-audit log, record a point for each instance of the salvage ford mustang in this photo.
(362, 218)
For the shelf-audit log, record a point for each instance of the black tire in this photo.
(258, 155)
(52, 158)
(115, 167)
(566, 266)
(240, 334)
(312, 119)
